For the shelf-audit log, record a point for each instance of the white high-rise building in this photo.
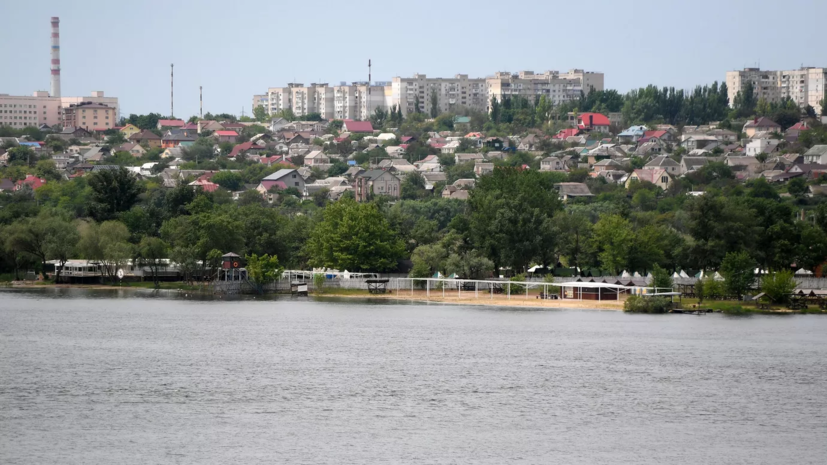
(557, 87)
(453, 94)
(805, 86)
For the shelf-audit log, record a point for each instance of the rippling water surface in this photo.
(96, 377)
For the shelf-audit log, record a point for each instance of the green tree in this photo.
(511, 214)
(434, 104)
(153, 252)
(260, 113)
(428, 260)
(469, 265)
(354, 236)
(612, 239)
(797, 187)
(230, 180)
(738, 269)
(661, 278)
(778, 286)
(263, 269)
(574, 230)
(113, 191)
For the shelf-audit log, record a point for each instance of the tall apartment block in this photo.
(359, 100)
(453, 94)
(557, 87)
(805, 86)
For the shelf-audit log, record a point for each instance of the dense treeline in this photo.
(513, 220)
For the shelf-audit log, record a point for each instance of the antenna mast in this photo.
(171, 87)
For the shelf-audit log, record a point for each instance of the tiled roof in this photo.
(358, 126)
(171, 123)
(595, 119)
(145, 135)
(226, 133)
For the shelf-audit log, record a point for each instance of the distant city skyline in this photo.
(236, 52)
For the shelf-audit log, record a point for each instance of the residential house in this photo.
(607, 164)
(649, 148)
(174, 140)
(482, 168)
(754, 147)
(699, 141)
(32, 181)
(147, 138)
(467, 157)
(395, 151)
(761, 124)
(376, 182)
(353, 172)
(613, 176)
(357, 127)
(276, 124)
(317, 159)
(552, 164)
(70, 132)
(662, 135)
(809, 171)
(564, 134)
(246, 148)
(793, 132)
(226, 136)
(133, 148)
(568, 190)
(724, 136)
(744, 167)
(449, 147)
(429, 163)
(433, 177)
(6, 185)
(690, 164)
(452, 192)
(129, 130)
(207, 125)
(594, 122)
(62, 161)
(664, 163)
(164, 124)
(173, 152)
(816, 155)
(96, 154)
(395, 165)
(658, 177)
(529, 143)
(632, 134)
(495, 143)
(282, 179)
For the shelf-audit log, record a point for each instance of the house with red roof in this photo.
(247, 148)
(226, 136)
(593, 122)
(206, 185)
(566, 133)
(358, 127)
(792, 133)
(170, 124)
(32, 181)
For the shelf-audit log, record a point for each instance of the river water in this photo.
(103, 377)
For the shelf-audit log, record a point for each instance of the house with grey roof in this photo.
(665, 163)
(376, 182)
(817, 154)
(568, 190)
(690, 164)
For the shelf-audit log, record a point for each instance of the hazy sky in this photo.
(236, 49)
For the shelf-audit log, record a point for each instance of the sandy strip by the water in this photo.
(498, 300)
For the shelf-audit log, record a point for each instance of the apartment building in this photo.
(358, 101)
(453, 94)
(90, 116)
(21, 111)
(96, 97)
(260, 100)
(805, 86)
(557, 87)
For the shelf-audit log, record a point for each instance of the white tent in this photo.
(683, 274)
(803, 272)
(718, 277)
(675, 275)
(625, 274)
(636, 275)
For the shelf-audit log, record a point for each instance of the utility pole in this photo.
(171, 88)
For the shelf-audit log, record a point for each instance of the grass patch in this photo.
(338, 291)
(167, 285)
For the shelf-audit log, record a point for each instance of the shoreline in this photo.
(497, 301)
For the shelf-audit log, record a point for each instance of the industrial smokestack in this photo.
(171, 88)
(201, 102)
(55, 56)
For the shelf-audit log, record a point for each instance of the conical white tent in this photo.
(683, 274)
(625, 274)
(718, 277)
(636, 275)
(674, 275)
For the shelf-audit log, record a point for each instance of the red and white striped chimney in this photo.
(55, 56)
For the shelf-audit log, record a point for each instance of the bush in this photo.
(713, 289)
(640, 304)
(661, 278)
(733, 309)
(318, 281)
(518, 288)
(778, 286)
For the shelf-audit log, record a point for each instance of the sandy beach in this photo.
(498, 300)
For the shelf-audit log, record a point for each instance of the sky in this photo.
(237, 49)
